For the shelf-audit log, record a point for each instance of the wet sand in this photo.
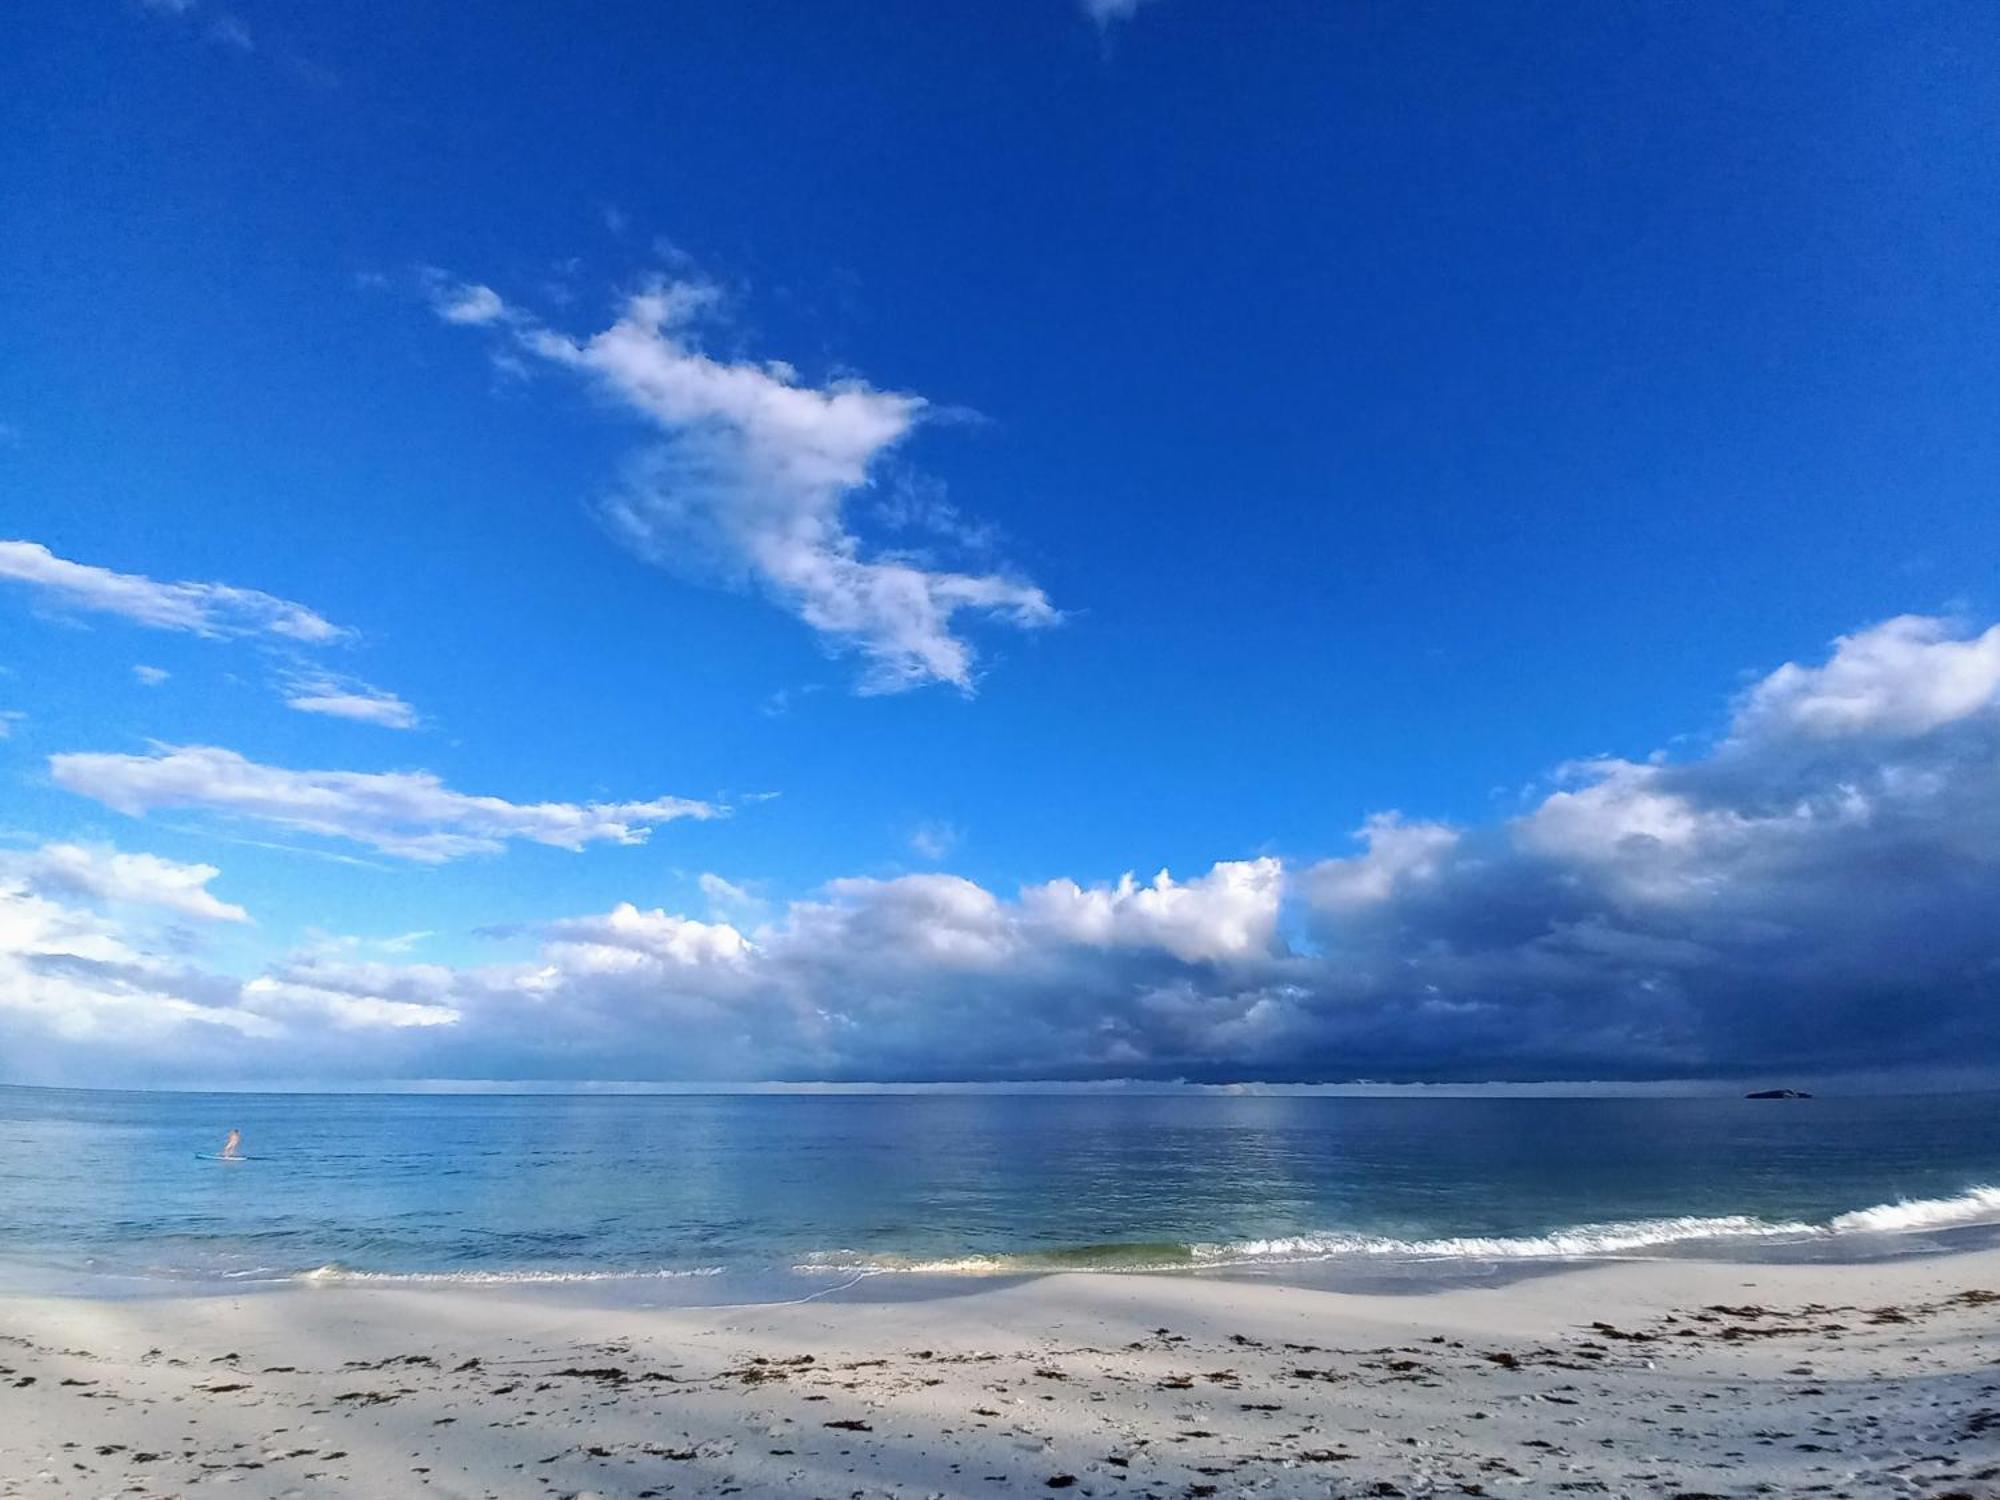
(1671, 1378)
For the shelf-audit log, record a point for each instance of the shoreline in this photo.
(1393, 1275)
(1668, 1376)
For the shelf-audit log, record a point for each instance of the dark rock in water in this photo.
(1778, 1094)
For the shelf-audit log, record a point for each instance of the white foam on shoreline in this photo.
(1976, 1205)
(1623, 1238)
(1581, 1240)
(332, 1274)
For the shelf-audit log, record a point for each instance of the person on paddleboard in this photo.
(232, 1148)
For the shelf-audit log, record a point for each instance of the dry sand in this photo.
(1662, 1378)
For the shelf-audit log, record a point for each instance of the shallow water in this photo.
(707, 1198)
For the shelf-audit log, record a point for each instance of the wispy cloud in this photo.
(349, 698)
(752, 479)
(229, 31)
(933, 840)
(410, 814)
(729, 899)
(205, 609)
(213, 611)
(223, 28)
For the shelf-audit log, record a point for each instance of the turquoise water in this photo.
(759, 1195)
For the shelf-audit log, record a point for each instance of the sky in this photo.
(1055, 539)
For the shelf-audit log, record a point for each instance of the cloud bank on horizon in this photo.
(1814, 891)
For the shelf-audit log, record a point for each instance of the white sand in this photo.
(1098, 1385)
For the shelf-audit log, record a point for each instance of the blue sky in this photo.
(961, 449)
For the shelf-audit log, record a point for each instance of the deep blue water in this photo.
(802, 1189)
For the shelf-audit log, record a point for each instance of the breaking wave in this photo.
(1628, 1238)
(1973, 1206)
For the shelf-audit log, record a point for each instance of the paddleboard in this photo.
(215, 1156)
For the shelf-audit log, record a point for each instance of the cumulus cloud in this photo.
(1784, 902)
(410, 814)
(1903, 677)
(752, 479)
(1815, 892)
(74, 979)
(205, 609)
(1230, 912)
(347, 698)
(87, 995)
(1398, 855)
(626, 933)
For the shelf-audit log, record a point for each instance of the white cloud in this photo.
(215, 611)
(934, 840)
(728, 896)
(1399, 854)
(1906, 676)
(106, 874)
(79, 985)
(1231, 912)
(207, 609)
(346, 698)
(754, 477)
(470, 304)
(411, 814)
(609, 940)
(915, 922)
(1621, 806)
(289, 1001)
(77, 977)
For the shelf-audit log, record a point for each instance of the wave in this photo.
(1973, 1206)
(1618, 1239)
(1623, 1238)
(332, 1274)
(1578, 1241)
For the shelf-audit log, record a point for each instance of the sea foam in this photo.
(333, 1274)
(1623, 1238)
(1973, 1206)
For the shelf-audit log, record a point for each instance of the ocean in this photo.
(745, 1197)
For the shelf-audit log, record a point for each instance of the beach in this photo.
(1662, 1377)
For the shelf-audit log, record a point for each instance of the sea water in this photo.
(759, 1196)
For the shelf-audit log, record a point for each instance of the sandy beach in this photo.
(1664, 1378)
